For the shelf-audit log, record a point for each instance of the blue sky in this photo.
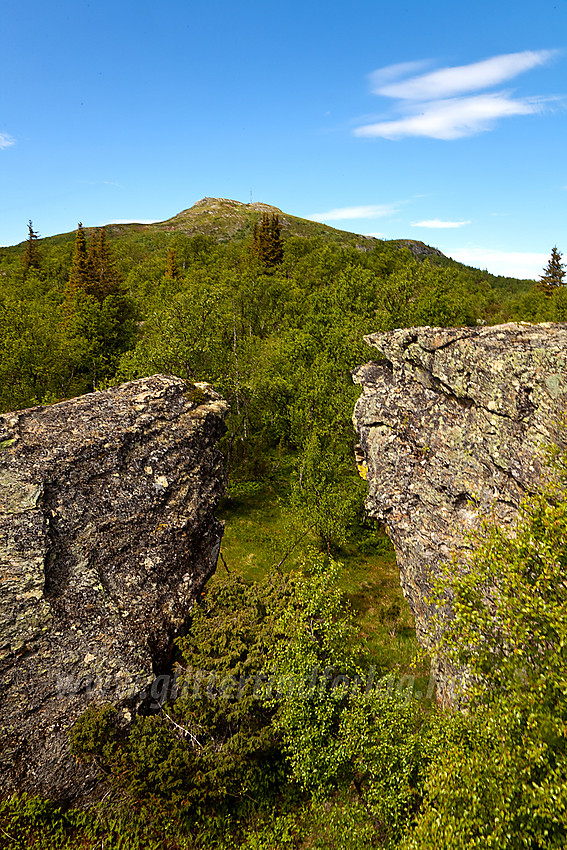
(440, 121)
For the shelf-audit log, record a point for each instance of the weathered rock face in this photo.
(451, 424)
(107, 535)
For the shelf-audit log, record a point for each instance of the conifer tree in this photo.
(553, 274)
(172, 270)
(80, 276)
(31, 256)
(104, 278)
(267, 243)
(255, 239)
(276, 244)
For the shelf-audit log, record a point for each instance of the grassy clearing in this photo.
(259, 533)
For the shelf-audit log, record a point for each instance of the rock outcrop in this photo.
(451, 424)
(107, 535)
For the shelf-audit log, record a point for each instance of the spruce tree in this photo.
(553, 274)
(80, 276)
(172, 270)
(103, 276)
(255, 240)
(267, 243)
(276, 244)
(31, 257)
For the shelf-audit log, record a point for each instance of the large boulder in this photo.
(107, 535)
(452, 422)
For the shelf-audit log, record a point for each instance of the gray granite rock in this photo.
(107, 535)
(451, 424)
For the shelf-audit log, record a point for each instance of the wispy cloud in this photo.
(437, 224)
(344, 213)
(6, 141)
(448, 82)
(522, 264)
(101, 183)
(383, 77)
(453, 119)
(433, 104)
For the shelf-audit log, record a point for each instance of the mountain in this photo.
(224, 220)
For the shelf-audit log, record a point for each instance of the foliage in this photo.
(31, 258)
(339, 727)
(28, 353)
(270, 734)
(553, 274)
(269, 708)
(213, 745)
(510, 601)
(93, 733)
(224, 657)
(172, 270)
(325, 504)
(66, 340)
(267, 243)
(104, 278)
(94, 334)
(80, 275)
(500, 779)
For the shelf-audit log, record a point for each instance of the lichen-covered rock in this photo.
(451, 424)
(107, 535)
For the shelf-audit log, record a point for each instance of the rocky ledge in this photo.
(452, 422)
(107, 535)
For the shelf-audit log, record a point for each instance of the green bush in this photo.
(499, 779)
(93, 734)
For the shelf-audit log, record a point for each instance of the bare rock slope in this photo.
(107, 535)
(451, 424)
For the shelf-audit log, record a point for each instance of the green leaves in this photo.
(29, 356)
(494, 782)
(267, 243)
(510, 602)
(499, 779)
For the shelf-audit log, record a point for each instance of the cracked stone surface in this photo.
(451, 423)
(107, 535)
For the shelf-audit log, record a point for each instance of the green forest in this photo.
(302, 713)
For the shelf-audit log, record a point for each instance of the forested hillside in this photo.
(272, 311)
(192, 296)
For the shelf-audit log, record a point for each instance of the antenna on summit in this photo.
(250, 195)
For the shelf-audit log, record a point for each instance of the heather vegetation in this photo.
(294, 714)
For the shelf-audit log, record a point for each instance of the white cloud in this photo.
(438, 224)
(433, 104)
(454, 118)
(448, 82)
(522, 264)
(383, 76)
(343, 213)
(6, 141)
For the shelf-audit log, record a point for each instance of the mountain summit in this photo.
(224, 219)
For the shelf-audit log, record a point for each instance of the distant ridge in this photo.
(226, 220)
